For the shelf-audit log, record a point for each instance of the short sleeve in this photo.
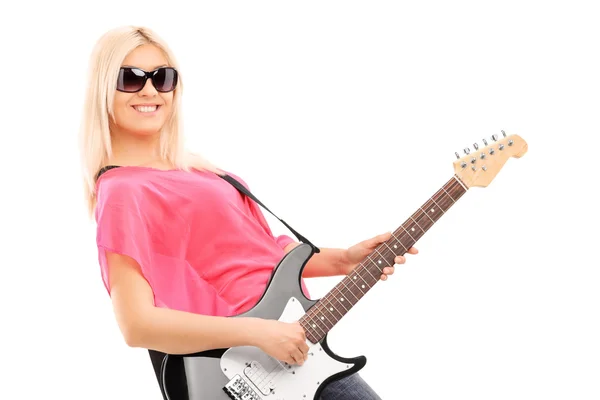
(122, 229)
(283, 240)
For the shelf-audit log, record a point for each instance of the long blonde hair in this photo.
(95, 140)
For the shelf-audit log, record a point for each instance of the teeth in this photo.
(145, 108)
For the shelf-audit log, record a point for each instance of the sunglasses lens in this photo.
(165, 79)
(130, 80)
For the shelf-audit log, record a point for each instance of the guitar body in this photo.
(247, 372)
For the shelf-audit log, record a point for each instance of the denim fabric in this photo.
(352, 387)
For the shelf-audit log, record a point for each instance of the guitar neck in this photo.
(334, 305)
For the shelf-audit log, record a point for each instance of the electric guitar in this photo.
(247, 373)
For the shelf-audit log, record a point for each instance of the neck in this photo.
(132, 149)
(332, 307)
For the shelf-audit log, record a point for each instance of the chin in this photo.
(146, 131)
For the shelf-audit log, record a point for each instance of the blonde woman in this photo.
(180, 249)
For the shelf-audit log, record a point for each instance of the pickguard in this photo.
(275, 380)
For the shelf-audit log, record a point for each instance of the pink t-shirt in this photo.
(202, 246)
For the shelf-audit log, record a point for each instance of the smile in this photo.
(146, 109)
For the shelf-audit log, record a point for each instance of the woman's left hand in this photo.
(357, 253)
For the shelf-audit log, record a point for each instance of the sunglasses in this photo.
(131, 80)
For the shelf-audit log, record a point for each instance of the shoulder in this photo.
(237, 178)
(118, 186)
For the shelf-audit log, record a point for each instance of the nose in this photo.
(148, 90)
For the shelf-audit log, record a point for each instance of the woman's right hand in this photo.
(281, 340)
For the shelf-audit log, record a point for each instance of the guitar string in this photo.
(361, 271)
(450, 186)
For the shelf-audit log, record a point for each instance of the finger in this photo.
(304, 351)
(301, 331)
(290, 360)
(413, 250)
(400, 260)
(384, 277)
(388, 270)
(304, 348)
(380, 238)
(298, 356)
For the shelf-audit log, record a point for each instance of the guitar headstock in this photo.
(482, 166)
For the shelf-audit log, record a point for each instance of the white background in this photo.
(344, 118)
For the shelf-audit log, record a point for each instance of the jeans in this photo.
(351, 387)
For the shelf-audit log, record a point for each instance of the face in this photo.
(144, 112)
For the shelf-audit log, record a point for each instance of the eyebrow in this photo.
(151, 69)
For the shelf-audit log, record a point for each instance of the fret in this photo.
(458, 180)
(445, 201)
(425, 218)
(328, 311)
(408, 233)
(342, 282)
(424, 212)
(416, 223)
(356, 290)
(316, 325)
(449, 195)
(329, 324)
(331, 308)
(360, 276)
(362, 286)
(324, 313)
(314, 322)
(391, 251)
(368, 270)
(397, 240)
(431, 210)
(439, 208)
(379, 255)
(340, 299)
(421, 221)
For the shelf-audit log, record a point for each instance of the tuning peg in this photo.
(503, 134)
(466, 150)
(476, 146)
(485, 142)
(457, 156)
(494, 137)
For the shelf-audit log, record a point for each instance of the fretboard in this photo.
(323, 316)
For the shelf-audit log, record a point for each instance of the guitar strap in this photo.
(236, 184)
(176, 373)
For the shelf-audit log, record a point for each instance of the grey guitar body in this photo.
(247, 373)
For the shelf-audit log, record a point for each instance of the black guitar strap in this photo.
(176, 372)
(243, 189)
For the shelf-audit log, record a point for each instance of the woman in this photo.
(179, 248)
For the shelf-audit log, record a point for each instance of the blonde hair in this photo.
(95, 140)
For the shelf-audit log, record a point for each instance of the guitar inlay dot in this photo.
(432, 210)
(330, 308)
(354, 276)
(379, 261)
(412, 229)
(395, 246)
(341, 299)
(323, 318)
(314, 326)
(363, 286)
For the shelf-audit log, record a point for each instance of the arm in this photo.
(331, 262)
(176, 332)
(328, 262)
(170, 331)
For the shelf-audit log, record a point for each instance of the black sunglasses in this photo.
(131, 80)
